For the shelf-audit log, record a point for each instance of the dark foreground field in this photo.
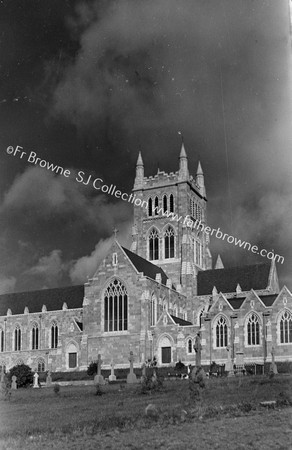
(228, 416)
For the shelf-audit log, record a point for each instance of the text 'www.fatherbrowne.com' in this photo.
(199, 226)
(98, 184)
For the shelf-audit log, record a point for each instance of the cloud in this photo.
(41, 208)
(85, 267)
(7, 284)
(39, 195)
(49, 268)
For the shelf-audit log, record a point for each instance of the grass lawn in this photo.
(228, 414)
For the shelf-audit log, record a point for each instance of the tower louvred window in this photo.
(156, 206)
(171, 203)
(169, 243)
(150, 212)
(165, 203)
(153, 245)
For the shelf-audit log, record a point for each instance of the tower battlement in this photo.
(163, 179)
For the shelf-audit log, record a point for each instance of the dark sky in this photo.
(87, 84)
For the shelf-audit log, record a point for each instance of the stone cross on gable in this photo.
(115, 230)
(99, 363)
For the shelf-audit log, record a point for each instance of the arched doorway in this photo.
(72, 356)
(165, 350)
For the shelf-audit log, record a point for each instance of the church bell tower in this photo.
(167, 220)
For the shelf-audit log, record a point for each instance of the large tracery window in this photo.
(221, 332)
(286, 328)
(253, 330)
(35, 337)
(17, 338)
(153, 245)
(115, 307)
(169, 243)
(54, 335)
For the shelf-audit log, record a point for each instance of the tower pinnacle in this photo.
(139, 172)
(200, 179)
(183, 163)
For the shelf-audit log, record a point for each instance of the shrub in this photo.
(151, 382)
(56, 388)
(92, 369)
(23, 374)
(284, 367)
(180, 365)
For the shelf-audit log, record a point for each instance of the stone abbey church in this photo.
(154, 298)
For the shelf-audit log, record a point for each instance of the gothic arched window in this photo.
(35, 337)
(286, 328)
(17, 338)
(1, 340)
(169, 243)
(171, 203)
(190, 346)
(253, 330)
(153, 309)
(150, 207)
(153, 244)
(165, 203)
(192, 208)
(115, 307)
(54, 335)
(221, 332)
(156, 206)
(198, 250)
(41, 365)
(201, 318)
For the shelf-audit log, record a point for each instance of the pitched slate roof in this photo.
(80, 325)
(268, 300)
(180, 321)
(236, 302)
(34, 300)
(248, 277)
(142, 265)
